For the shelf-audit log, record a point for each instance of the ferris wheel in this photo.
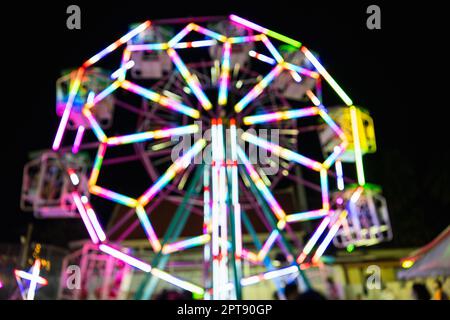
(224, 116)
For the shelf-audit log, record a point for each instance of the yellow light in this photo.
(407, 264)
(357, 145)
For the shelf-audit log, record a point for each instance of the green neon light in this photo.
(283, 38)
(287, 48)
(350, 248)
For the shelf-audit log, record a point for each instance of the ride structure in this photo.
(226, 116)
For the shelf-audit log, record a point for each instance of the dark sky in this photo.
(394, 72)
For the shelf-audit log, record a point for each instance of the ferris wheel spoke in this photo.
(151, 135)
(179, 165)
(270, 33)
(281, 115)
(273, 51)
(282, 152)
(257, 89)
(224, 80)
(160, 99)
(148, 228)
(327, 76)
(192, 82)
(260, 185)
(257, 74)
(329, 237)
(133, 225)
(113, 46)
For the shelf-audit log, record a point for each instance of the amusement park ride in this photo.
(219, 83)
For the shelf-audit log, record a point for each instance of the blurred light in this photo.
(407, 264)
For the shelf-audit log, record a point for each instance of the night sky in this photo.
(394, 72)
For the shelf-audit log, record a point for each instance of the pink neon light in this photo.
(102, 95)
(333, 230)
(78, 139)
(185, 244)
(235, 190)
(94, 125)
(208, 32)
(84, 217)
(162, 100)
(113, 46)
(256, 37)
(180, 35)
(301, 70)
(337, 152)
(251, 256)
(111, 195)
(273, 204)
(179, 165)
(332, 124)
(272, 49)
(125, 65)
(295, 76)
(258, 88)
(305, 216)
(281, 115)
(248, 24)
(225, 74)
(94, 221)
(356, 194)
(157, 134)
(313, 240)
(148, 228)
(191, 81)
(73, 177)
(177, 282)
(268, 244)
(282, 152)
(261, 57)
(324, 187)
(97, 164)
(65, 117)
(125, 258)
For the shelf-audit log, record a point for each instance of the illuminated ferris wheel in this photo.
(223, 115)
